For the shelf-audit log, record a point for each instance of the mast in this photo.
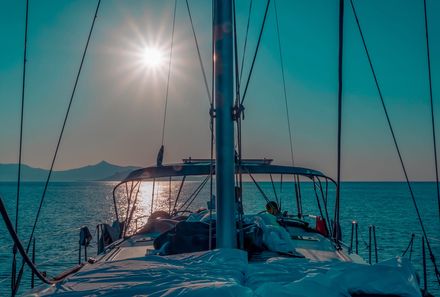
(224, 124)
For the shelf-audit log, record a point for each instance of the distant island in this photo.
(103, 171)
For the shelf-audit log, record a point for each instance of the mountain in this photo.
(103, 171)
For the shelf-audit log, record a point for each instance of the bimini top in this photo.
(194, 167)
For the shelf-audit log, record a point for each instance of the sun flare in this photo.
(152, 57)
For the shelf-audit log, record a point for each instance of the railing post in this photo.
(375, 243)
(357, 239)
(79, 253)
(369, 244)
(33, 261)
(425, 282)
(351, 238)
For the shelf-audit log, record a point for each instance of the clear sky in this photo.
(117, 112)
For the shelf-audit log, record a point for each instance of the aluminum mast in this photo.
(224, 124)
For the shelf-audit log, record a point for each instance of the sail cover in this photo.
(227, 272)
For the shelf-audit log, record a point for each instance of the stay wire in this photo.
(259, 188)
(195, 194)
(340, 89)
(437, 272)
(238, 117)
(58, 144)
(289, 126)
(169, 74)
(211, 128)
(432, 105)
(284, 82)
(202, 68)
(23, 88)
(245, 40)
(20, 150)
(256, 52)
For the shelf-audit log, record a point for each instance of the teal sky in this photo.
(117, 112)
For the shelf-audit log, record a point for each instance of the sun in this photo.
(152, 57)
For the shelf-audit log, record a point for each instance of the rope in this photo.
(238, 109)
(289, 126)
(432, 107)
(194, 194)
(23, 87)
(274, 191)
(245, 40)
(437, 272)
(20, 150)
(178, 193)
(169, 73)
(324, 200)
(256, 52)
(340, 61)
(409, 247)
(259, 188)
(202, 68)
(18, 244)
(58, 143)
(211, 128)
(284, 82)
(199, 189)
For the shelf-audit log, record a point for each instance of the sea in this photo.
(70, 205)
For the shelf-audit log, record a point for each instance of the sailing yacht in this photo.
(220, 250)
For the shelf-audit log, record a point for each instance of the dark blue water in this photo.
(68, 206)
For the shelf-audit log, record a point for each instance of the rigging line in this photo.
(190, 198)
(256, 52)
(422, 226)
(237, 82)
(289, 128)
(238, 110)
(245, 40)
(211, 128)
(152, 196)
(178, 193)
(23, 88)
(432, 106)
(202, 68)
(274, 191)
(318, 201)
(130, 216)
(169, 73)
(169, 196)
(59, 141)
(259, 188)
(197, 193)
(284, 82)
(340, 89)
(23, 253)
(324, 201)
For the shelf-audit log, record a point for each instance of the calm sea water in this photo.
(68, 206)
